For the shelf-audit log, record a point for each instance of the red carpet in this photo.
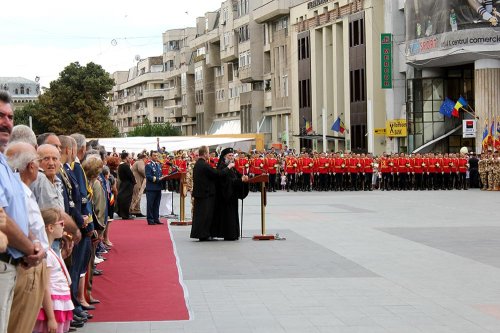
(141, 279)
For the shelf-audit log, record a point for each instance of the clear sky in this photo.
(40, 38)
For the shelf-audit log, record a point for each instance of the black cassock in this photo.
(204, 193)
(126, 189)
(226, 222)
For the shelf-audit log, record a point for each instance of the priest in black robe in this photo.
(230, 188)
(204, 189)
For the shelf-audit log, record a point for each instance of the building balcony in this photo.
(268, 99)
(174, 111)
(173, 93)
(271, 10)
(254, 97)
(213, 55)
(229, 52)
(249, 74)
(152, 93)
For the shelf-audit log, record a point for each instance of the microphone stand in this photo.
(172, 214)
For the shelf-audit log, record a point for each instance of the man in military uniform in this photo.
(272, 167)
(291, 169)
(482, 172)
(154, 185)
(491, 170)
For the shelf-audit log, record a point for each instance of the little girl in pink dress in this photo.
(56, 313)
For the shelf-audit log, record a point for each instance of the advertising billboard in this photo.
(432, 25)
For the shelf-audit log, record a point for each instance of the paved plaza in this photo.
(371, 262)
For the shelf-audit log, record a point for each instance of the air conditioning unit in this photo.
(223, 22)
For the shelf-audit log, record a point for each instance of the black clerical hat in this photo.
(225, 152)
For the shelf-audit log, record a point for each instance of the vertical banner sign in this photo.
(386, 58)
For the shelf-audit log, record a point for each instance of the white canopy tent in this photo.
(171, 143)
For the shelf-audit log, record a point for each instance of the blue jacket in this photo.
(153, 175)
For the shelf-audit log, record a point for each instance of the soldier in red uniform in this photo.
(446, 172)
(256, 169)
(306, 165)
(431, 169)
(463, 167)
(338, 171)
(272, 167)
(368, 171)
(242, 165)
(418, 170)
(323, 167)
(213, 160)
(454, 175)
(386, 170)
(291, 170)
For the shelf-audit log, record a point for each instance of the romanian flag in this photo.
(338, 126)
(308, 125)
(485, 135)
(462, 102)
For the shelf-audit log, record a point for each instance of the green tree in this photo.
(21, 117)
(76, 102)
(148, 129)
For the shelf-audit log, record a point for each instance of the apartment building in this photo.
(138, 95)
(179, 79)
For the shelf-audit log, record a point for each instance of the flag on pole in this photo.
(308, 126)
(447, 107)
(458, 105)
(338, 126)
(485, 135)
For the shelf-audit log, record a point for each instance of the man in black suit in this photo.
(204, 188)
(126, 188)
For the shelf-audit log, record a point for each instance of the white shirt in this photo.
(36, 224)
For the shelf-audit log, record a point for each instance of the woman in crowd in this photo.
(93, 167)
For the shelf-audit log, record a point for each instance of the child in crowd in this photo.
(57, 311)
(283, 181)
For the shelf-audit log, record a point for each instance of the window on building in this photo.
(303, 47)
(244, 59)
(305, 93)
(243, 34)
(219, 71)
(158, 102)
(284, 92)
(198, 97)
(22, 90)
(357, 32)
(169, 66)
(198, 74)
(357, 85)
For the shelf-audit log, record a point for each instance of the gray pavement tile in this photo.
(297, 257)
(480, 243)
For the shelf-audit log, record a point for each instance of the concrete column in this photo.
(487, 98)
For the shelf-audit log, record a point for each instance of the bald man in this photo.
(47, 188)
(30, 282)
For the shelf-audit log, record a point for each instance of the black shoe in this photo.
(139, 215)
(94, 301)
(91, 307)
(76, 324)
(158, 222)
(151, 223)
(79, 319)
(204, 239)
(130, 217)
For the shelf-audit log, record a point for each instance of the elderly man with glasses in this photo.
(31, 282)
